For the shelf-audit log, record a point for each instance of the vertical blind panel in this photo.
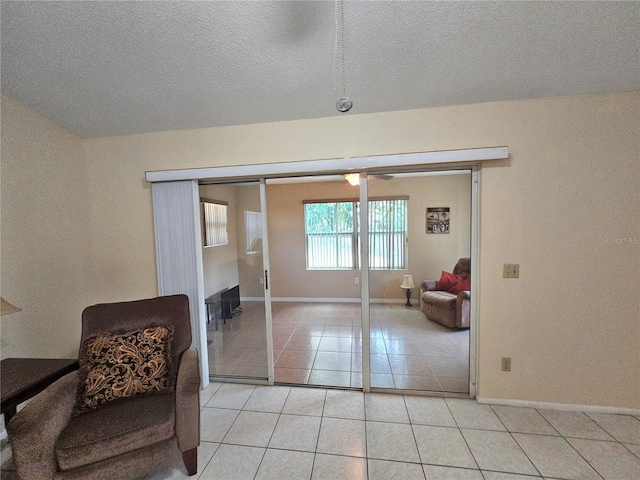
(215, 224)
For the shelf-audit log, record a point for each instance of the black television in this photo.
(230, 301)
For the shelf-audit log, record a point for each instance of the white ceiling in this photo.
(111, 68)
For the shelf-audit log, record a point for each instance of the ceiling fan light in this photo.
(353, 178)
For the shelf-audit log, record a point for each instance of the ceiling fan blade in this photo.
(383, 176)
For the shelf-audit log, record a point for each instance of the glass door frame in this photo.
(261, 184)
(267, 289)
(365, 312)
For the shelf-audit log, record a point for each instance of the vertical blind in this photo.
(387, 234)
(215, 223)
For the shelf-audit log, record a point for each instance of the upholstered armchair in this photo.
(448, 300)
(53, 438)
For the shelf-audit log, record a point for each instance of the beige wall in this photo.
(571, 322)
(45, 235)
(428, 254)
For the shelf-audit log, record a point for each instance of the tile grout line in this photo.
(460, 432)
(516, 441)
(315, 453)
(594, 440)
(404, 399)
(543, 435)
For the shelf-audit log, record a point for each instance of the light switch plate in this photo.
(511, 270)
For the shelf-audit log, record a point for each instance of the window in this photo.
(329, 228)
(253, 228)
(215, 223)
(332, 234)
(388, 234)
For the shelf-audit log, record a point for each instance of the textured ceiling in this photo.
(112, 68)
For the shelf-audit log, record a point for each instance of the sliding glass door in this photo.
(235, 281)
(315, 281)
(419, 225)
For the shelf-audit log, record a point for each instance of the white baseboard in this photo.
(323, 300)
(569, 407)
(314, 300)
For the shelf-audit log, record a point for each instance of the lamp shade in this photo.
(6, 308)
(407, 282)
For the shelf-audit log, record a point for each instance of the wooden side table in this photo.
(23, 378)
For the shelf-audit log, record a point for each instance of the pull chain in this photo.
(344, 104)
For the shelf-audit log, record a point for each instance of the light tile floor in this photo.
(279, 433)
(300, 433)
(321, 344)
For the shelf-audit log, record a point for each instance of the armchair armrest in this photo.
(463, 309)
(188, 401)
(425, 286)
(34, 430)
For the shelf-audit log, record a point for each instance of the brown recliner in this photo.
(449, 309)
(125, 439)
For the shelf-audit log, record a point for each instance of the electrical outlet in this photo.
(356, 280)
(506, 364)
(261, 280)
(511, 270)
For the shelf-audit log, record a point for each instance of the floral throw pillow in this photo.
(114, 366)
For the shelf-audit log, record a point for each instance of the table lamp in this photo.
(407, 284)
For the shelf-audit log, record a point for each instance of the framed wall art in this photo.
(438, 219)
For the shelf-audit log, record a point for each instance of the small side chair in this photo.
(57, 436)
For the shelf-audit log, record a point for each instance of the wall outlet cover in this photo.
(511, 270)
(506, 364)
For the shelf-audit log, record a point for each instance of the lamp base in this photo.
(408, 304)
